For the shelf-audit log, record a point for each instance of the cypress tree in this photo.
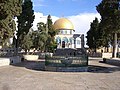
(110, 19)
(93, 35)
(8, 10)
(25, 20)
(50, 44)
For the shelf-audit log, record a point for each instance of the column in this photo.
(74, 42)
(82, 41)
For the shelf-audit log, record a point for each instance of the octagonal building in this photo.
(65, 37)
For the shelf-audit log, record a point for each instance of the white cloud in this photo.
(40, 17)
(82, 21)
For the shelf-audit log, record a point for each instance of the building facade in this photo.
(65, 38)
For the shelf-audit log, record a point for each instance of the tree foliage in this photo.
(110, 15)
(40, 36)
(8, 10)
(105, 39)
(27, 43)
(93, 35)
(51, 44)
(25, 20)
(110, 19)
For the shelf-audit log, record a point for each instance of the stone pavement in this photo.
(100, 76)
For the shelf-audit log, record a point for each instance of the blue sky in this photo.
(65, 7)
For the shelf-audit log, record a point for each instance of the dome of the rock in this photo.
(63, 24)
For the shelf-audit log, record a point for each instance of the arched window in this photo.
(65, 39)
(70, 40)
(58, 40)
(78, 42)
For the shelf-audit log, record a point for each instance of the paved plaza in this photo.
(101, 76)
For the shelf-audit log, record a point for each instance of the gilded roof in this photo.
(63, 23)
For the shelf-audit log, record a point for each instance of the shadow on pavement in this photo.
(105, 69)
(112, 62)
(33, 65)
(101, 69)
(40, 66)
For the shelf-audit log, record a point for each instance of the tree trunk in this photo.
(26, 52)
(16, 46)
(107, 49)
(115, 46)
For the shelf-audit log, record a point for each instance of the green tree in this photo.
(27, 43)
(110, 19)
(104, 39)
(8, 10)
(40, 37)
(93, 35)
(50, 43)
(25, 20)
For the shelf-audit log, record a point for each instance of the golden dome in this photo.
(63, 23)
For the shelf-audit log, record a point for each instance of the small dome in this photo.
(63, 24)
